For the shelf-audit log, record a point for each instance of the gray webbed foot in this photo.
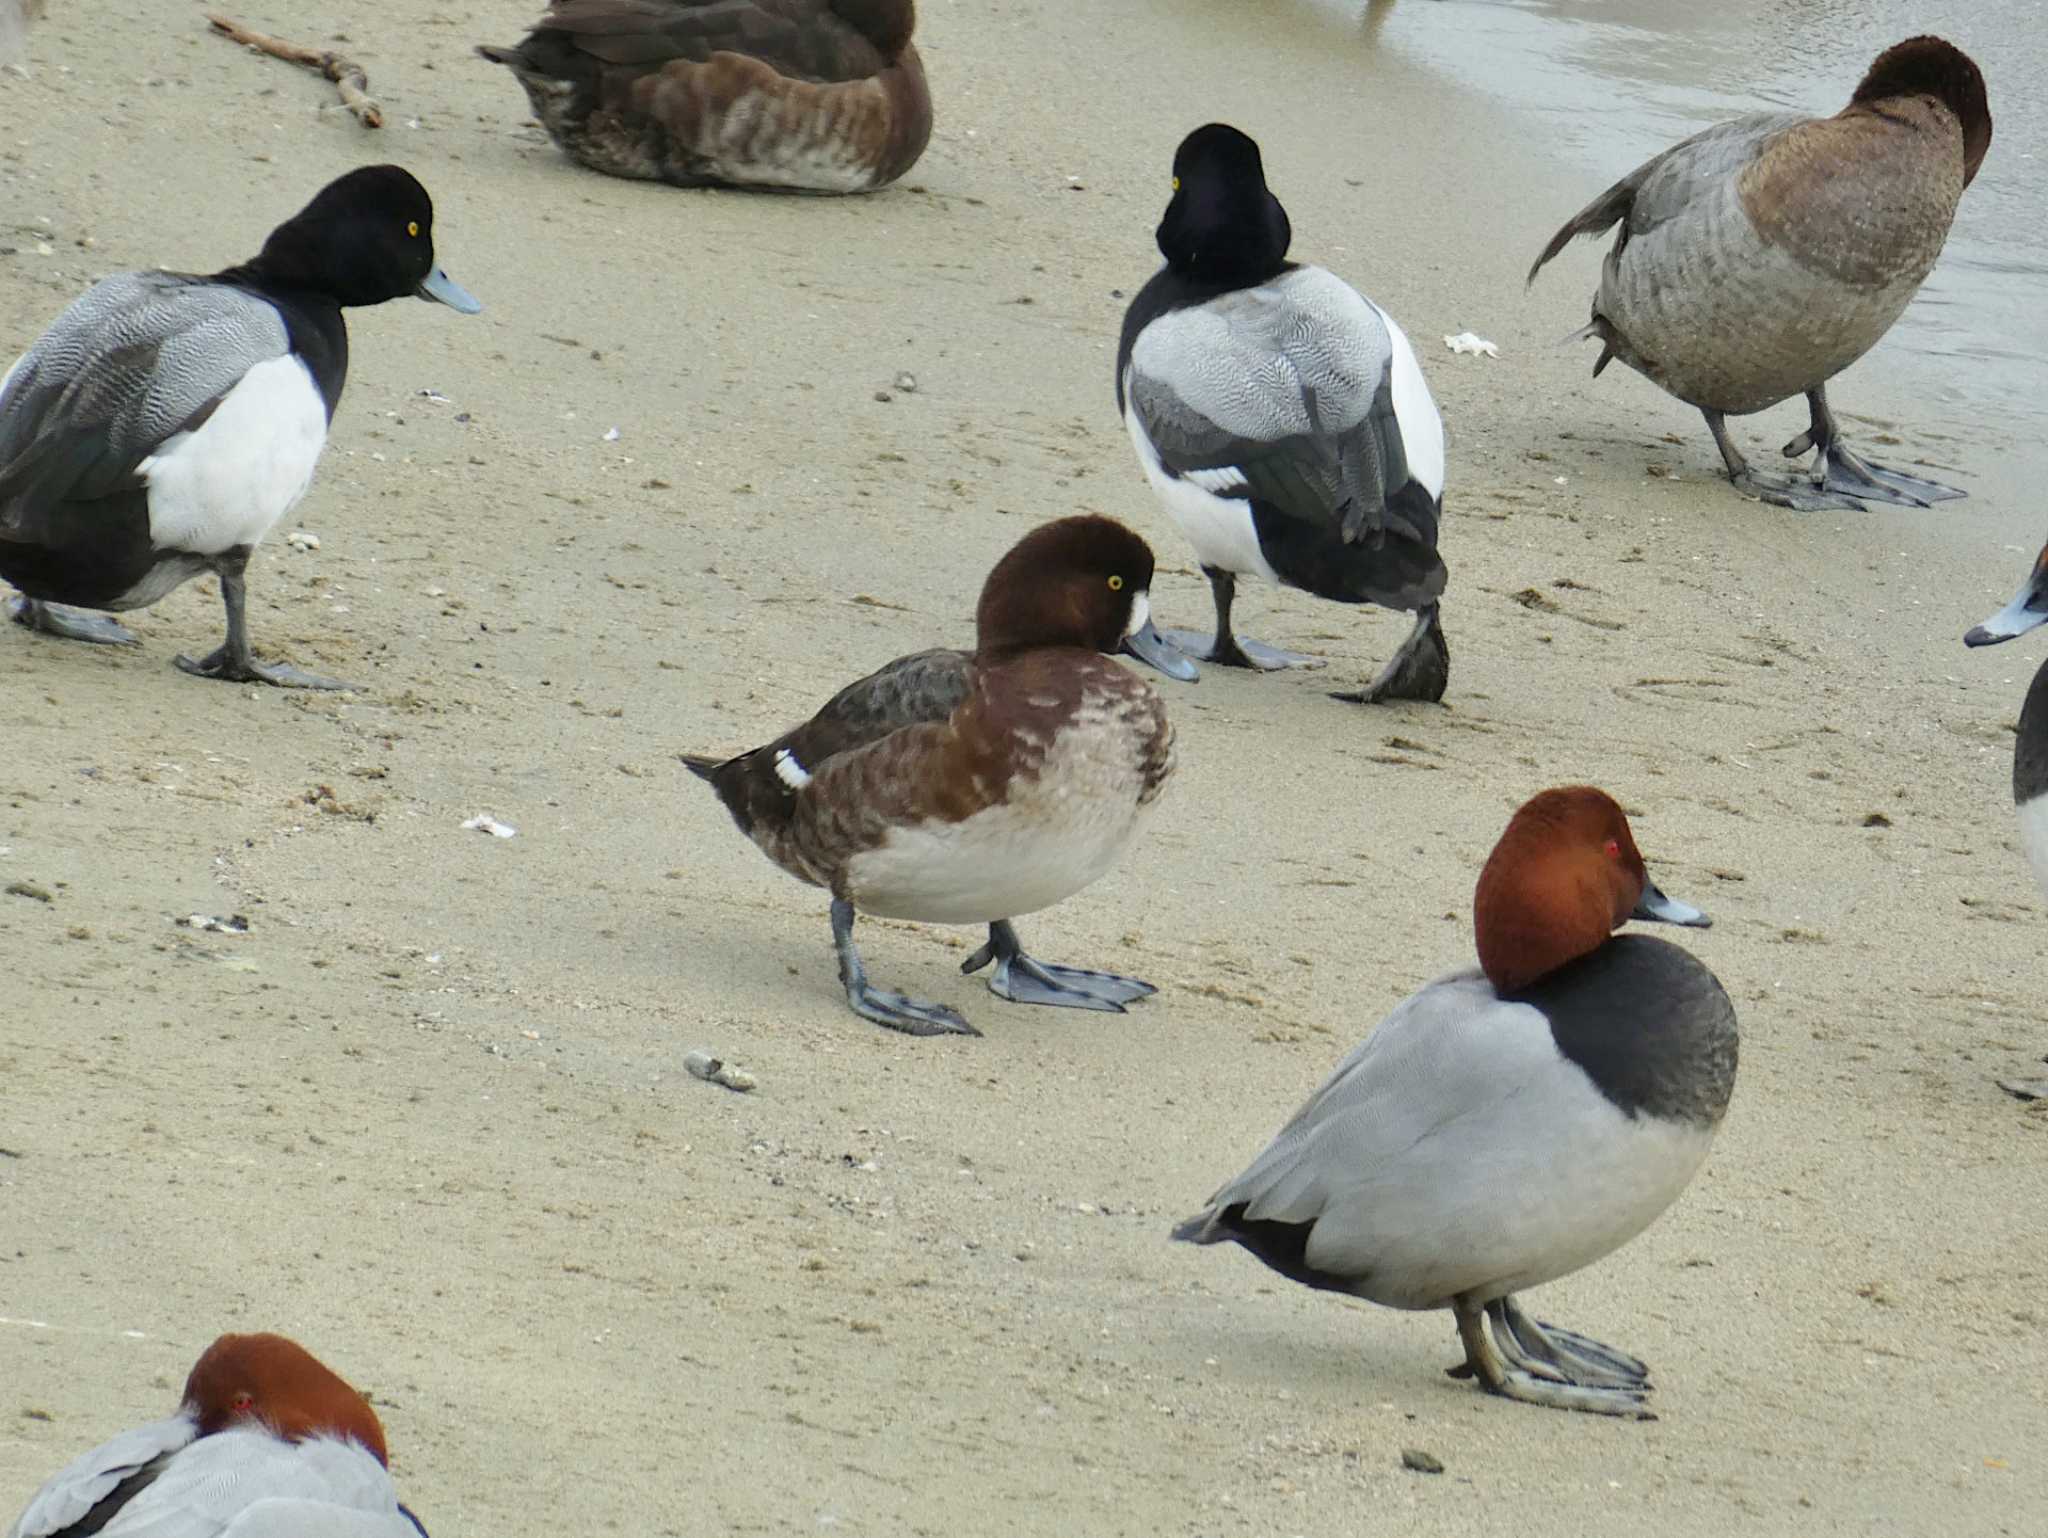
(72, 624)
(1547, 1350)
(218, 663)
(1536, 1381)
(1799, 493)
(1023, 980)
(1420, 670)
(885, 1006)
(1231, 651)
(1854, 476)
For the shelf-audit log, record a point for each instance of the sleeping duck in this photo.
(960, 787)
(1759, 259)
(1281, 418)
(166, 421)
(809, 95)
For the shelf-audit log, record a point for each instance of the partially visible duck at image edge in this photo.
(956, 787)
(267, 1442)
(1281, 419)
(1513, 1122)
(802, 95)
(166, 421)
(1759, 259)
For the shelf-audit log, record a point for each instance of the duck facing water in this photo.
(1511, 1123)
(1759, 259)
(807, 95)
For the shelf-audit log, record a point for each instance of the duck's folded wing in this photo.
(249, 1484)
(130, 1460)
(1664, 187)
(1307, 401)
(797, 37)
(134, 361)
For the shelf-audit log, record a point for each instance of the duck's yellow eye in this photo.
(1116, 584)
(412, 226)
(1176, 184)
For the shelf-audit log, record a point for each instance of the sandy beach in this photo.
(429, 1114)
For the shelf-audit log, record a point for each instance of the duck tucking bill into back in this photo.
(802, 95)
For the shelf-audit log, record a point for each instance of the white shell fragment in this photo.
(712, 1070)
(483, 823)
(299, 539)
(236, 925)
(611, 435)
(1466, 341)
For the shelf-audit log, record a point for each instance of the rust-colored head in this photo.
(279, 1384)
(1929, 66)
(1565, 875)
(1073, 582)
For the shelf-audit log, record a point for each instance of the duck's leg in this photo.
(884, 1006)
(1418, 671)
(232, 661)
(1226, 648)
(1483, 1363)
(1022, 980)
(1847, 472)
(72, 624)
(1801, 493)
(1575, 1357)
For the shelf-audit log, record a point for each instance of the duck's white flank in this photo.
(2034, 837)
(1422, 428)
(246, 466)
(1219, 527)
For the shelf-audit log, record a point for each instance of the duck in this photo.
(166, 421)
(267, 1442)
(957, 787)
(1512, 1122)
(1760, 258)
(1281, 419)
(821, 96)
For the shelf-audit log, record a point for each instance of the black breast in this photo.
(2030, 753)
(1650, 1025)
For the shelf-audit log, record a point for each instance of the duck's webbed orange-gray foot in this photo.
(72, 624)
(1523, 1368)
(885, 1006)
(1843, 470)
(1802, 493)
(1024, 980)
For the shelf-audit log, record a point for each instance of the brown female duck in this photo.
(807, 95)
(1759, 259)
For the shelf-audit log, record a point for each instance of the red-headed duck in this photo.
(2028, 609)
(166, 421)
(1282, 420)
(1509, 1123)
(1759, 259)
(267, 1443)
(807, 95)
(958, 787)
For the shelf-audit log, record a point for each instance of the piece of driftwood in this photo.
(347, 75)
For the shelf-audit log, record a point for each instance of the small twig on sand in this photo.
(347, 75)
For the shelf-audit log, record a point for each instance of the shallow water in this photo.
(1610, 82)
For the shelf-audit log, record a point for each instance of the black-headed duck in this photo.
(805, 95)
(1759, 259)
(166, 421)
(1282, 420)
(958, 787)
(1511, 1123)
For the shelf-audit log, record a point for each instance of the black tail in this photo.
(1595, 218)
(703, 765)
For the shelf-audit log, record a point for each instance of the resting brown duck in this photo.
(1759, 259)
(805, 95)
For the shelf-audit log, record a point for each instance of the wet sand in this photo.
(430, 1115)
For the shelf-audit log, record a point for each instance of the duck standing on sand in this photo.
(1282, 420)
(805, 95)
(166, 421)
(959, 787)
(1511, 1123)
(267, 1443)
(1759, 259)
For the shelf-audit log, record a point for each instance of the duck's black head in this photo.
(1223, 226)
(1931, 66)
(366, 237)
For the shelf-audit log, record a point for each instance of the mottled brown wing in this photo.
(803, 39)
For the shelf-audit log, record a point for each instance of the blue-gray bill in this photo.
(2029, 607)
(1656, 907)
(1154, 650)
(439, 286)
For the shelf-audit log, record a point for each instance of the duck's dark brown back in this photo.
(825, 41)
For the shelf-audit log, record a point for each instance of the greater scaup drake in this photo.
(958, 787)
(807, 95)
(166, 421)
(1759, 259)
(1509, 1123)
(1282, 419)
(267, 1443)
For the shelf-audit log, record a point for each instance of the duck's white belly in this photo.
(1220, 528)
(2033, 817)
(246, 466)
